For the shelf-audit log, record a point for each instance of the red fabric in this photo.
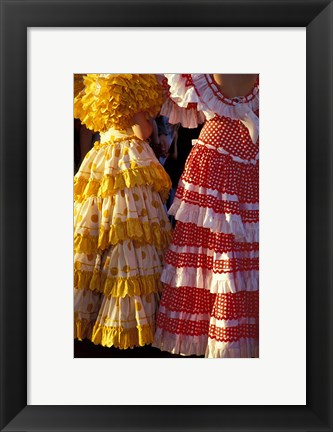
(230, 134)
(189, 80)
(233, 334)
(223, 306)
(203, 261)
(207, 168)
(202, 327)
(189, 234)
(218, 206)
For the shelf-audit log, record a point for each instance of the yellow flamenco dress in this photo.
(121, 229)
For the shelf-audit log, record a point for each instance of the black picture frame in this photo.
(16, 17)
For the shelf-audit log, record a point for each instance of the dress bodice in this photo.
(229, 136)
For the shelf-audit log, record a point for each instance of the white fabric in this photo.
(249, 120)
(206, 279)
(216, 222)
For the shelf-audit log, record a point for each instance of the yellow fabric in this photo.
(122, 338)
(111, 100)
(154, 175)
(142, 232)
(83, 328)
(117, 286)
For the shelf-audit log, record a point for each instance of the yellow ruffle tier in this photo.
(117, 286)
(154, 175)
(111, 100)
(142, 232)
(108, 336)
(114, 336)
(122, 338)
(83, 329)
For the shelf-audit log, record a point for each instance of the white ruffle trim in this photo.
(211, 104)
(217, 222)
(189, 316)
(217, 194)
(187, 117)
(207, 101)
(202, 190)
(200, 345)
(180, 344)
(214, 282)
(181, 93)
(244, 348)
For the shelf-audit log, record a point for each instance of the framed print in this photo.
(43, 44)
(256, 377)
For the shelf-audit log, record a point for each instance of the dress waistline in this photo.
(225, 152)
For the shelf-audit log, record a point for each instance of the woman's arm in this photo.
(142, 127)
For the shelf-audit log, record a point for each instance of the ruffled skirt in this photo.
(210, 303)
(121, 231)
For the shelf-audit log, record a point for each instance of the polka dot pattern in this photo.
(189, 234)
(204, 261)
(231, 135)
(210, 169)
(94, 218)
(198, 301)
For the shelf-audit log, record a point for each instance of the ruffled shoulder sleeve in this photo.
(111, 100)
(181, 104)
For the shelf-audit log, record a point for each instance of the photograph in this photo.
(133, 206)
(166, 215)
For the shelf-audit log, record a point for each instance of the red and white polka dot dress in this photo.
(210, 302)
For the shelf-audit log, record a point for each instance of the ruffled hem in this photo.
(244, 348)
(203, 346)
(216, 222)
(206, 279)
(122, 338)
(83, 329)
(153, 175)
(189, 345)
(180, 344)
(117, 287)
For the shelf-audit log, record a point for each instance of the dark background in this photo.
(86, 349)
